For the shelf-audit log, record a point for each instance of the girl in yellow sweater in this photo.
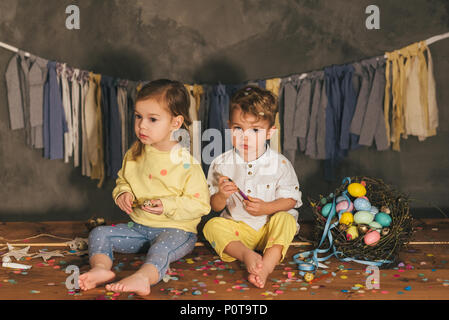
(162, 188)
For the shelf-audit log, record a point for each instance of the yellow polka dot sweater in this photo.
(175, 178)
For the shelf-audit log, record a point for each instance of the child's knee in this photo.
(284, 217)
(211, 226)
(97, 233)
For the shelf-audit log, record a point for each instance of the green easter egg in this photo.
(363, 217)
(326, 209)
(383, 219)
(375, 226)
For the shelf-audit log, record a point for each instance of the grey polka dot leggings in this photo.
(163, 245)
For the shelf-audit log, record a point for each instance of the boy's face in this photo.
(249, 135)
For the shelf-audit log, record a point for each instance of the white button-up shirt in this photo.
(269, 177)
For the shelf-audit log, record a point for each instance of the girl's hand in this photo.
(226, 187)
(125, 202)
(255, 206)
(156, 208)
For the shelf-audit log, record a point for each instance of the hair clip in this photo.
(246, 91)
(261, 113)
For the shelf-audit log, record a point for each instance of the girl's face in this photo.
(249, 135)
(154, 124)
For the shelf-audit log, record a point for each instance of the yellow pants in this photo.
(280, 229)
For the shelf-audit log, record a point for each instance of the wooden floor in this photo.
(423, 273)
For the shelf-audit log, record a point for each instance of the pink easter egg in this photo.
(371, 238)
(343, 205)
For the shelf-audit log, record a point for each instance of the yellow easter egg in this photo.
(352, 233)
(356, 190)
(346, 218)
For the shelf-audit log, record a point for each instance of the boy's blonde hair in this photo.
(256, 101)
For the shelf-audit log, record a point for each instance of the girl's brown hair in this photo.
(256, 101)
(172, 94)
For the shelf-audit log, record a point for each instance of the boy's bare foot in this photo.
(259, 279)
(253, 261)
(134, 283)
(95, 277)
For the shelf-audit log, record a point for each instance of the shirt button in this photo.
(250, 165)
(248, 191)
(268, 186)
(250, 173)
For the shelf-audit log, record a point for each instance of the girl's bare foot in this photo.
(134, 283)
(95, 277)
(253, 261)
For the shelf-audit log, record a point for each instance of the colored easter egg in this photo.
(340, 199)
(362, 204)
(323, 201)
(352, 233)
(371, 238)
(375, 226)
(343, 205)
(326, 209)
(356, 190)
(374, 210)
(383, 219)
(346, 218)
(363, 217)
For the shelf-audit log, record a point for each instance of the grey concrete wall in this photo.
(201, 41)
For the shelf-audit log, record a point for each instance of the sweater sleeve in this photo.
(122, 184)
(195, 200)
(14, 94)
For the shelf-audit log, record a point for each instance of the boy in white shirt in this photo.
(256, 188)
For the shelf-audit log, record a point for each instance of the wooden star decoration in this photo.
(17, 253)
(47, 255)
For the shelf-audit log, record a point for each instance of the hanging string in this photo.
(429, 41)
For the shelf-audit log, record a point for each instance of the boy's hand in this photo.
(225, 187)
(256, 207)
(125, 202)
(155, 208)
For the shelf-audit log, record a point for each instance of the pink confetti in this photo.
(384, 292)
(279, 291)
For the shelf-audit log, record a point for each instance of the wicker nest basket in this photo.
(382, 196)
